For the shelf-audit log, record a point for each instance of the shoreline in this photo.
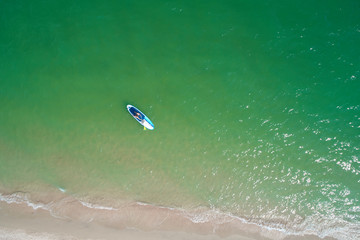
(21, 214)
(18, 221)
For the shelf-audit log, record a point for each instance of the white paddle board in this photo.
(140, 117)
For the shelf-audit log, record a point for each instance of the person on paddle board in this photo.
(136, 114)
(139, 116)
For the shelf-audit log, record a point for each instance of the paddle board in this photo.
(140, 117)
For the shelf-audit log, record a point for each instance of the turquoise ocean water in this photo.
(256, 106)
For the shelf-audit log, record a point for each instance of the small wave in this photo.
(204, 216)
(63, 190)
(21, 198)
(95, 206)
(153, 205)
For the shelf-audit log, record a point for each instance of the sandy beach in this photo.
(22, 222)
(67, 218)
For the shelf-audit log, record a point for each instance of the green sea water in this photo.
(255, 104)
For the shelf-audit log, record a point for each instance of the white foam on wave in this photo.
(211, 215)
(312, 225)
(22, 198)
(95, 206)
(153, 205)
(217, 217)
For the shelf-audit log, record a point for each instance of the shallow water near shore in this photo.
(255, 106)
